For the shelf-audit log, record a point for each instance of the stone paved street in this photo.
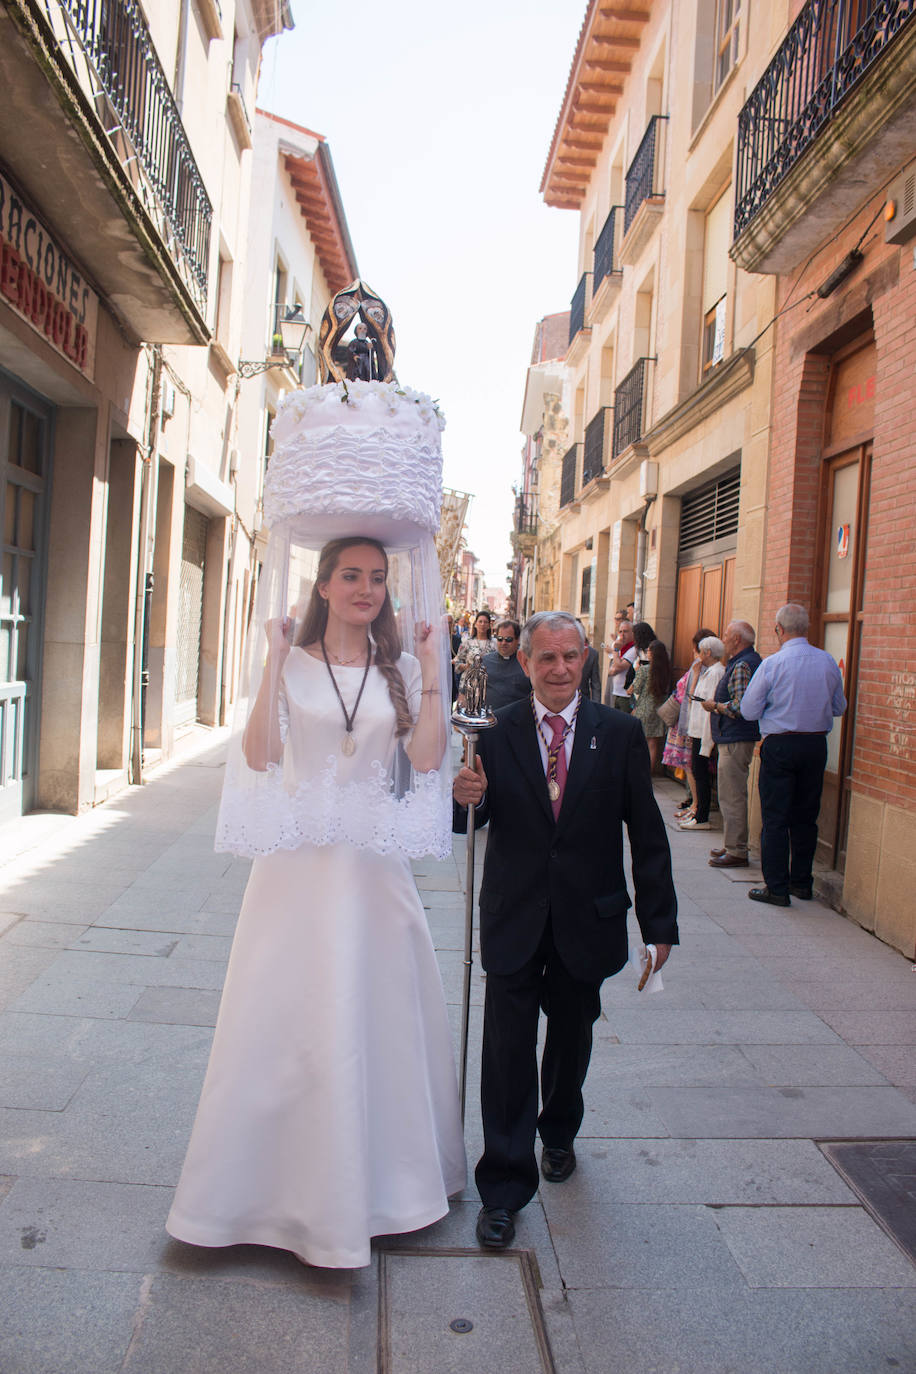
(704, 1231)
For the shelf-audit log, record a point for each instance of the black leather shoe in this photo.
(495, 1228)
(803, 890)
(763, 894)
(557, 1165)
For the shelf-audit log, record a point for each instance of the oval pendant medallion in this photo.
(348, 745)
(553, 790)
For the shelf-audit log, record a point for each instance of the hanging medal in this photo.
(348, 743)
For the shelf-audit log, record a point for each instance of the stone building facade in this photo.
(124, 188)
(663, 484)
(829, 215)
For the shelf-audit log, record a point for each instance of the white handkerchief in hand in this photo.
(643, 958)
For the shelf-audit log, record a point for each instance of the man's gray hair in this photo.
(742, 628)
(549, 620)
(793, 618)
(713, 645)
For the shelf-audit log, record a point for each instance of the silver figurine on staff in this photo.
(470, 717)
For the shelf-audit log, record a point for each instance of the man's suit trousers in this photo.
(507, 1174)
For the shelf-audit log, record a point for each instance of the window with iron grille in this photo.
(577, 306)
(628, 407)
(642, 175)
(605, 248)
(568, 475)
(593, 457)
(709, 513)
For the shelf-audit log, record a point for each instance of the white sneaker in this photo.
(693, 824)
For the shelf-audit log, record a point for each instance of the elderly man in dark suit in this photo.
(557, 779)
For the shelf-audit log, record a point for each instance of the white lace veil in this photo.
(355, 459)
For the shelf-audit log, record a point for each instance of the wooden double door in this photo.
(705, 595)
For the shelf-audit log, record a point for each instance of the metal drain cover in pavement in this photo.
(461, 1312)
(883, 1174)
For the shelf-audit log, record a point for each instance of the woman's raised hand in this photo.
(426, 643)
(278, 645)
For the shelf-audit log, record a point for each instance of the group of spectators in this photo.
(721, 717)
(639, 678)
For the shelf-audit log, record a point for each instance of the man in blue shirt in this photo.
(794, 695)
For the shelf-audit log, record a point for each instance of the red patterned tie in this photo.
(556, 759)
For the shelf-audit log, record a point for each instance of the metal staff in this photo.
(470, 718)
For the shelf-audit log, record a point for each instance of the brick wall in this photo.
(884, 289)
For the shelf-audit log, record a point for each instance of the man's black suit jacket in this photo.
(571, 868)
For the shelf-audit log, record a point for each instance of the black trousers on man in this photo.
(507, 1174)
(790, 785)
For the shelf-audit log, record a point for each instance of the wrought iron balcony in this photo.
(629, 407)
(115, 41)
(606, 248)
(526, 520)
(642, 179)
(596, 433)
(577, 307)
(825, 55)
(568, 475)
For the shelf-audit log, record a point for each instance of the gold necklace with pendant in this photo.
(348, 743)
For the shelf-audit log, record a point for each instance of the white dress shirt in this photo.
(567, 713)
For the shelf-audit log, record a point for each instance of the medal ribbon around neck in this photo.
(348, 744)
(553, 750)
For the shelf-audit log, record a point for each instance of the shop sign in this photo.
(42, 285)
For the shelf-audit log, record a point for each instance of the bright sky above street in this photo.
(439, 119)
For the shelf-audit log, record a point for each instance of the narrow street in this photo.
(706, 1229)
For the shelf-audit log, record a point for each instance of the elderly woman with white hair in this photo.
(699, 729)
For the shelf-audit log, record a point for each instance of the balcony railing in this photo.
(577, 307)
(643, 174)
(629, 407)
(606, 248)
(116, 41)
(593, 455)
(526, 521)
(568, 475)
(822, 59)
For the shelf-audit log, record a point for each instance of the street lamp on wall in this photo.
(286, 344)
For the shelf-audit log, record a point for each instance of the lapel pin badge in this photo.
(594, 743)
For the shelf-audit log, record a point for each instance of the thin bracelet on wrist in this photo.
(430, 692)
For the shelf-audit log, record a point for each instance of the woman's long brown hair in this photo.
(384, 627)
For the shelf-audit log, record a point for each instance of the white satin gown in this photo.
(329, 1112)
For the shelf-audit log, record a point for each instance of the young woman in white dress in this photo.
(330, 1109)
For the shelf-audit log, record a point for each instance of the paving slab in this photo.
(66, 1321)
(672, 1065)
(75, 1224)
(44, 1082)
(813, 1247)
(778, 1113)
(642, 1244)
(180, 1006)
(655, 1025)
(897, 1063)
(811, 1065)
(20, 968)
(808, 1331)
(754, 1172)
(44, 934)
(894, 1027)
(112, 940)
(146, 970)
(193, 1326)
(56, 994)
